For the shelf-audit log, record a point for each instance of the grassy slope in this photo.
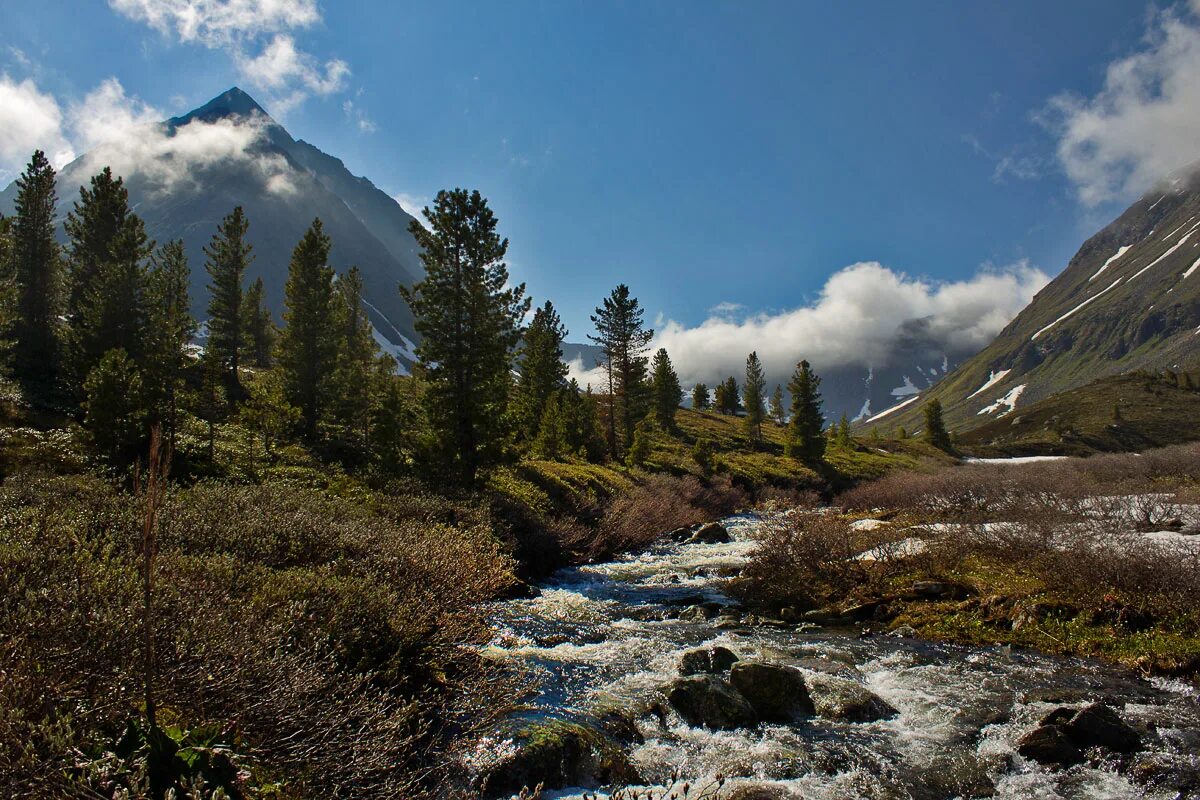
(1154, 412)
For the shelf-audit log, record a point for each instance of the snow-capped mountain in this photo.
(185, 174)
(1128, 300)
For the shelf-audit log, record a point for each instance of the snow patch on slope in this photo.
(1178, 245)
(908, 388)
(1120, 252)
(1076, 308)
(896, 407)
(993, 379)
(1192, 268)
(1009, 401)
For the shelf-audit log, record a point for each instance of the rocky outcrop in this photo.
(558, 753)
(838, 698)
(709, 701)
(777, 692)
(706, 660)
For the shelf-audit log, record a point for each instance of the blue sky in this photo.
(708, 154)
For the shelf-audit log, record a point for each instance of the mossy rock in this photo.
(558, 753)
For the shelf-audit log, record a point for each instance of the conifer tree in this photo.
(935, 426)
(584, 436)
(268, 411)
(843, 432)
(169, 330)
(308, 346)
(639, 446)
(667, 392)
(354, 377)
(805, 441)
(700, 398)
(106, 301)
(728, 401)
(114, 409)
(470, 321)
(551, 440)
(258, 330)
(228, 256)
(8, 295)
(776, 409)
(542, 369)
(397, 422)
(36, 267)
(623, 340)
(754, 398)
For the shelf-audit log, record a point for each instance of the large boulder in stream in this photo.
(777, 692)
(558, 753)
(839, 698)
(709, 701)
(1048, 744)
(712, 533)
(1062, 735)
(706, 660)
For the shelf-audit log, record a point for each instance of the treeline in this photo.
(102, 328)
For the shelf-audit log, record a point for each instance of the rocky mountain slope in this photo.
(1128, 300)
(188, 172)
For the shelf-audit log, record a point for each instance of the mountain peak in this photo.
(231, 103)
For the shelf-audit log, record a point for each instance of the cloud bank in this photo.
(259, 37)
(29, 120)
(862, 313)
(1142, 125)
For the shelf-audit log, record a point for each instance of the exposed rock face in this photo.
(838, 698)
(706, 660)
(557, 754)
(711, 702)
(777, 692)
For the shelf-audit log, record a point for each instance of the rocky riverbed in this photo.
(646, 672)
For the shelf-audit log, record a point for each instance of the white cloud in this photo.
(29, 120)
(355, 114)
(1142, 125)
(413, 204)
(861, 314)
(257, 34)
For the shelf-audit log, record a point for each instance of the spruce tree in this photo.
(542, 371)
(805, 440)
(308, 346)
(36, 267)
(584, 435)
(550, 441)
(228, 256)
(727, 399)
(354, 377)
(776, 409)
(700, 398)
(8, 296)
(667, 392)
(843, 432)
(106, 301)
(169, 330)
(935, 426)
(258, 330)
(470, 321)
(754, 397)
(623, 340)
(114, 409)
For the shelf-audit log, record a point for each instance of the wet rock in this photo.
(696, 614)
(776, 691)
(1098, 725)
(1057, 717)
(838, 698)
(863, 611)
(1049, 744)
(757, 791)
(680, 534)
(711, 533)
(711, 702)
(558, 753)
(725, 622)
(903, 632)
(706, 660)
(827, 616)
(553, 640)
(520, 590)
(1163, 772)
(940, 590)
(827, 666)
(693, 599)
(790, 614)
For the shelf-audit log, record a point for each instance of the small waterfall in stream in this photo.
(610, 635)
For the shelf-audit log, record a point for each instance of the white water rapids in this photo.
(608, 636)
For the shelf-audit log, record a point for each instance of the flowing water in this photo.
(608, 635)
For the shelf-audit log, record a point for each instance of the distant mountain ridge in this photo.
(369, 229)
(1129, 299)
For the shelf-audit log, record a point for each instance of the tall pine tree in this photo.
(776, 409)
(36, 267)
(355, 376)
(935, 427)
(700, 398)
(754, 398)
(541, 366)
(308, 346)
(623, 340)
(258, 330)
(470, 323)
(667, 392)
(228, 256)
(804, 435)
(169, 331)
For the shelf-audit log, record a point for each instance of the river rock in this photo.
(1098, 725)
(940, 590)
(838, 698)
(696, 614)
(711, 533)
(727, 621)
(558, 753)
(776, 691)
(711, 702)
(828, 666)
(1049, 744)
(827, 616)
(757, 791)
(706, 660)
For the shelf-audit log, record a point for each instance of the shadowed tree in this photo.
(258, 330)
(667, 392)
(228, 257)
(542, 369)
(753, 397)
(36, 273)
(623, 340)
(776, 409)
(700, 398)
(935, 426)
(804, 434)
